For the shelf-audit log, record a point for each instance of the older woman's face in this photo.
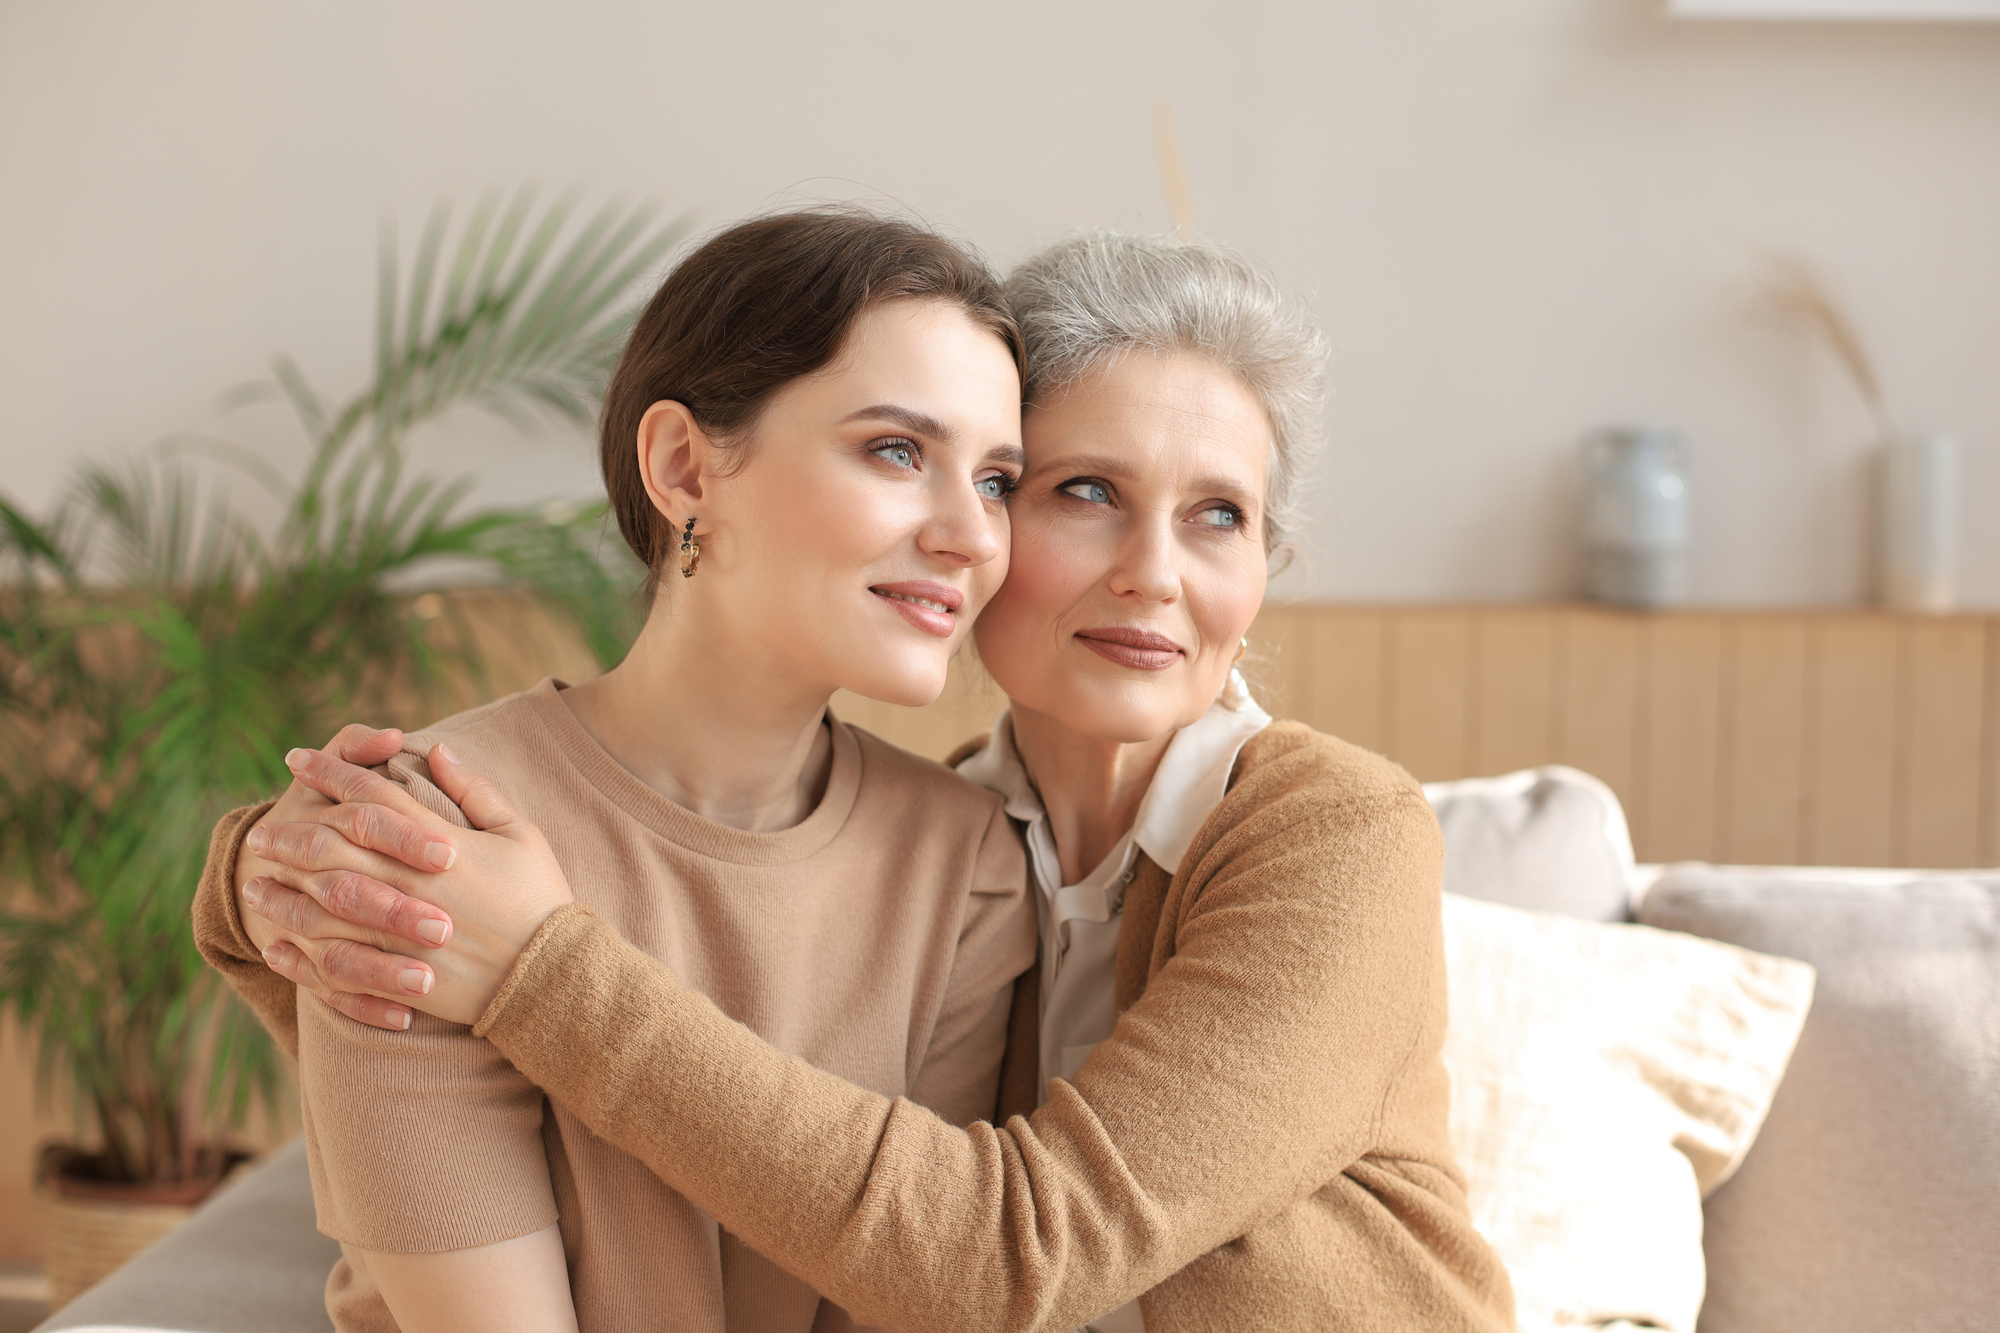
(1138, 558)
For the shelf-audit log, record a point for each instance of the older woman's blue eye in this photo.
(1096, 492)
(1220, 518)
(901, 454)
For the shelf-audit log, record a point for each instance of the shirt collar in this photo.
(1190, 782)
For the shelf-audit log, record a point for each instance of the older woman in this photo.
(1243, 1118)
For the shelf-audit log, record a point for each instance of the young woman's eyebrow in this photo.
(917, 423)
(1008, 453)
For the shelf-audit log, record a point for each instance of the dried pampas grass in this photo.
(1796, 290)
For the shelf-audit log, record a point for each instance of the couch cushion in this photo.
(1872, 1198)
(1605, 1077)
(1549, 839)
(248, 1261)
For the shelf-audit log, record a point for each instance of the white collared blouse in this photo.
(1079, 922)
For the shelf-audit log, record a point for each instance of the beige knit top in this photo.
(879, 938)
(1261, 1144)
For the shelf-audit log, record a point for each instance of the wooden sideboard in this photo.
(1785, 737)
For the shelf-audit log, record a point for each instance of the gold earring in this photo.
(690, 551)
(1242, 649)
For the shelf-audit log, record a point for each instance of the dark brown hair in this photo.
(756, 307)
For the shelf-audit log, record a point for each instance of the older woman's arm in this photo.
(1254, 1069)
(233, 941)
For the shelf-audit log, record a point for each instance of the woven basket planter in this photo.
(90, 1229)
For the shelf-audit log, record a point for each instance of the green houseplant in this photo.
(162, 642)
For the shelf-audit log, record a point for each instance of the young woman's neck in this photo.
(712, 725)
(1090, 787)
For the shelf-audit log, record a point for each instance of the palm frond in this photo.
(173, 693)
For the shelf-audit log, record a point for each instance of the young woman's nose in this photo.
(963, 527)
(1146, 565)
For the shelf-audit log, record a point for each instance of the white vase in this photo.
(1918, 490)
(1635, 518)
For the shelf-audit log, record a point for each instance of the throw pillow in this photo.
(1548, 839)
(1872, 1198)
(1605, 1078)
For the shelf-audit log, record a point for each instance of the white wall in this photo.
(1518, 219)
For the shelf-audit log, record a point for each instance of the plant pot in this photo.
(90, 1227)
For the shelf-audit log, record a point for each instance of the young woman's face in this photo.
(867, 527)
(1138, 558)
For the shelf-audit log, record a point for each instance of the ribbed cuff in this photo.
(565, 934)
(217, 916)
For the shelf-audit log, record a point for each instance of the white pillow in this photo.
(1549, 839)
(1604, 1079)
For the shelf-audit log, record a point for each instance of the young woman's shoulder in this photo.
(506, 741)
(895, 773)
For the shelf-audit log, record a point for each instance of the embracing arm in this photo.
(220, 935)
(233, 941)
(1257, 1065)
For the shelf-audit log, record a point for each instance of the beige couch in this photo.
(1607, 1075)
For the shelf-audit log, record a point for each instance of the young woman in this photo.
(808, 440)
(1243, 1113)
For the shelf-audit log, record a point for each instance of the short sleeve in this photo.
(960, 1076)
(424, 1140)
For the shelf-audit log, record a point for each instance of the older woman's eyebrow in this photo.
(917, 423)
(1113, 468)
(1222, 488)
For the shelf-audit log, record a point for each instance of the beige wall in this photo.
(1518, 218)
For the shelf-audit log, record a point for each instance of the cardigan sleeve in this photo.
(222, 941)
(1256, 1066)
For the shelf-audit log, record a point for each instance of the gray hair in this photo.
(1101, 295)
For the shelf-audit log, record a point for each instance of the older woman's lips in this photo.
(1132, 647)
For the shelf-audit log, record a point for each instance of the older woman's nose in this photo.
(1147, 566)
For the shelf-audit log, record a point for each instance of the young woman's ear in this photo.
(675, 455)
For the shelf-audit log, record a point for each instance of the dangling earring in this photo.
(690, 551)
(1234, 692)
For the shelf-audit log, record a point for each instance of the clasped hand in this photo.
(348, 870)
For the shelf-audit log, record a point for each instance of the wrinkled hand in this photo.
(358, 920)
(352, 883)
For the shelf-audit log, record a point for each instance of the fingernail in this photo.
(253, 893)
(441, 854)
(270, 955)
(415, 980)
(431, 930)
(258, 839)
(401, 1018)
(447, 752)
(296, 759)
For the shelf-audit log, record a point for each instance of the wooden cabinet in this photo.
(1787, 737)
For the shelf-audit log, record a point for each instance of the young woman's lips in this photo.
(1138, 648)
(931, 607)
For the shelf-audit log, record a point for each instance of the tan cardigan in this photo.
(1261, 1144)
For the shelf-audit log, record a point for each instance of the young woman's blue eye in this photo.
(996, 487)
(1096, 492)
(900, 452)
(1221, 516)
